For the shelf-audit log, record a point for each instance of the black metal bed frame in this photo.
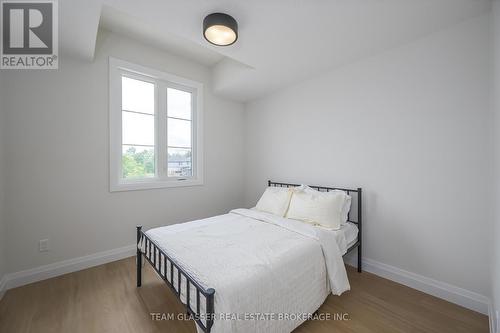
(157, 257)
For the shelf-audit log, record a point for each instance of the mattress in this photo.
(345, 237)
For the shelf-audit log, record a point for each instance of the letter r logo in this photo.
(27, 27)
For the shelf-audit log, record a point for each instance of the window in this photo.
(155, 129)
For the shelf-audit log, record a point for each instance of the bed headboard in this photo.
(354, 216)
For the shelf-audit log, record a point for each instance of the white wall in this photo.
(410, 126)
(57, 143)
(3, 247)
(495, 278)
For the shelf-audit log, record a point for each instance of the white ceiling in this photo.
(280, 42)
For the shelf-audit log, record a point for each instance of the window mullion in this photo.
(161, 144)
(194, 136)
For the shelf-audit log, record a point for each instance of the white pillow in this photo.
(318, 208)
(347, 206)
(275, 200)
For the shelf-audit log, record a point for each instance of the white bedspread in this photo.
(257, 263)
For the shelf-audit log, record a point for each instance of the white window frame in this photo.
(117, 68)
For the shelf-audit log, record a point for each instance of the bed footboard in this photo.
(158, 259)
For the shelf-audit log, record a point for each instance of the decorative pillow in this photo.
(318, 208)
(275, 200)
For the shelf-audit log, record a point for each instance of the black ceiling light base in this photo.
(220, 29)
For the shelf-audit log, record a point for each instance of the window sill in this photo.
(153, 184)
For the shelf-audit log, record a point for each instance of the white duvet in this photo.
(258, 264)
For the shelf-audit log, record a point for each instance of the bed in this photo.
(251, 271)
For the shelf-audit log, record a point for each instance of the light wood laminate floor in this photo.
(105, 299)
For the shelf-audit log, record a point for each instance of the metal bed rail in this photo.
(157, 257)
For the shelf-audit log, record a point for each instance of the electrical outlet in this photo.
(43, 245)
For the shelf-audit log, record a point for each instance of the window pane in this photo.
(138, 96)
(179, 162)
(138, 162)
(179, 133)
(138, 129)
(178, 103)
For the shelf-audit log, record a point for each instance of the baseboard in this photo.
(22, 278)
(466, 298)
(3, 286)
(492, 314)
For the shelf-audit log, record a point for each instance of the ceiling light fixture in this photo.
(220, 29)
